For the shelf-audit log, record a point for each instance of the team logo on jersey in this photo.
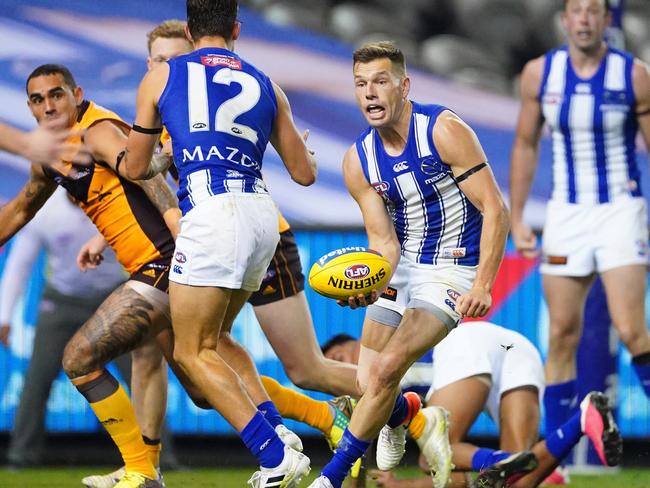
(430, 166)
(221, 60)
(401, 166)
(232, 173)
(180, 257)
(357, 271)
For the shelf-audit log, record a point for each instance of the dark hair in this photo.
(52, 69)
(336, 340)
(381, 49)
(608, 7)
(211, 18)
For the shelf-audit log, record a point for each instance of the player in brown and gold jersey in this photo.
(136, 220)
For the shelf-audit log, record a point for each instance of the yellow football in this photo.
(349, 271)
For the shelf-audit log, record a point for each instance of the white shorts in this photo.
(226, 241)
(509, 359)
(434, 288)
(579, 240)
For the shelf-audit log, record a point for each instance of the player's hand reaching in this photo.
(48, 144)
(91, 253)
(475, 303)
(384, 479)
(525, 240)
(359, 300)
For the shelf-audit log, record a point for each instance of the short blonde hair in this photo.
(378, 50)
(169, 29)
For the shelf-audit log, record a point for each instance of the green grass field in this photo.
(236, 478)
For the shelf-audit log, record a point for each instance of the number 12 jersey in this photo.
(219, 111)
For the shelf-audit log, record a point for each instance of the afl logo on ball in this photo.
(180, 257)
(357, 271)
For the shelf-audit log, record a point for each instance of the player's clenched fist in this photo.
(475, 303)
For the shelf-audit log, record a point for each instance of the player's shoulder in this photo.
(640, 73)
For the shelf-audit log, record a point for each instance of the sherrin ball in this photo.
(349, 271)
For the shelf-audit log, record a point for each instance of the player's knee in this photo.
(385, 371)
(634, 338)
(563, 340)
(302, 378)
(76, 361)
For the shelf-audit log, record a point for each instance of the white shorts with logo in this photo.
(579, 240)
(432, 287)
(227, 241)
(483, 349)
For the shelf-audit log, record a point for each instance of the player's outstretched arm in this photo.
(460, 149)
(139, 161)
(525, 151)
(379, 226)
(44, 144)
(22, 208)
(641, 83)
(291, 146)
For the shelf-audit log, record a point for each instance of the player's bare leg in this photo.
(519, 417)
(198, 314)
(301, 356)
(122, 323)
(626, 292)
(566, 298)
(197, 317)
(242, 363)
(417, 332)
(149, 394)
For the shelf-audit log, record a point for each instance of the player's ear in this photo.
(149, 63)
(236, 30)
(406, 87)
(78, 95)
(188, 34)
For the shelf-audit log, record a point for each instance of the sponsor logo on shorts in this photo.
(453, 294)
(180, 257)
(450, 304)
(390, 293)
(357, 271)
(220, 60)
(177, 269)
(555, 260)
(642, 248)
(357, 284)
(454, 252)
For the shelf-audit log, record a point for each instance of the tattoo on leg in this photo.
(123, 322)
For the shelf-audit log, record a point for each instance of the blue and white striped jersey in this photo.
(593, 124)
(434, 221)
(219, 111)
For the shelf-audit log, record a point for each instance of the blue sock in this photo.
(263, 442)
(400, 411)
(349, 450)
(485, 457)
(560, 441)
(560, 402)
(641, 365)
(270, 413)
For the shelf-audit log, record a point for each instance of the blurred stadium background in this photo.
(454, 59)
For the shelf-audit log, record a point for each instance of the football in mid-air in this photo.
(349, 271)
